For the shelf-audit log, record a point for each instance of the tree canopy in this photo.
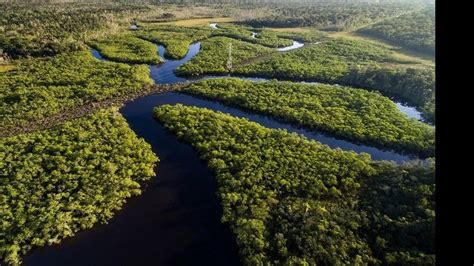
(57, 182)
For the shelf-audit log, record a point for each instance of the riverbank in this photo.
(86, 109)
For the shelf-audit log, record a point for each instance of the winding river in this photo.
(176, 220)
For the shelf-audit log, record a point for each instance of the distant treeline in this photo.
(46, 30)
(331, 16)
(415, 30)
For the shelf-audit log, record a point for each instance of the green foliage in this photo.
(400, 205)
(292, 201)
(353, 63)
(127, 49)
(416, 86)
(273, 184)
(327, 61)
(329, 16)
(41, 88)
(311, 36)
(214, 56)
(265, 38)
(315, 232)
(355, 114)
(175, 39)
(57, 182)
(414, 30)
(50, 29)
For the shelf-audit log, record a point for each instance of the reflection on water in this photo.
(164, 73)
(410, 111)
(96, 54)
(295, 45)
(176, 220)
(173, 98)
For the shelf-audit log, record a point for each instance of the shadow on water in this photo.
(174, 98)
(176, 220)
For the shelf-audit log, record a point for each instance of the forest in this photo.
(415, 30)
(46, 30)
(41, 88)
(214, 56)
(319, 215)
(329, 16)
(175, 39)
(57, 182)
(400, 203)
(283, 199)
(355, 114)
(262, 37)
(127, 49)
(352, 63)
(341, 61)
(325, 61)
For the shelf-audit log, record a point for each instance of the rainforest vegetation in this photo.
(316, 216)
(399, 201)
(214, 56)
(46, 30)
(265, 38)
(127, 49)
(355, 114)
(415, 30)
(57, 182)
(41, 88)
(349, 62)
(175, 39)
(353, 63)
(329, 16)
(327, 61)
(287, 200)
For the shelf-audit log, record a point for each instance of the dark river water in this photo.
(176, 220)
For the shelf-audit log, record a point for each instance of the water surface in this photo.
(176, 221)
(295, 45)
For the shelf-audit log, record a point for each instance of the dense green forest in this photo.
(289, 200)
(175, 39)
(349, 62)
(355, 114)
(414, 85)
(399, 201)
(262, 37)
(127, 49)
(214, 56)
(327, 61)
(354, 63)
(57, 182)
(41, 88)
(330, 16)
(45, 30)
(415, 30)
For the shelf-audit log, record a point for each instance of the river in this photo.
(176, 220)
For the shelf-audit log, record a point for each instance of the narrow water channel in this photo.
(295, 45)
(176, 220)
